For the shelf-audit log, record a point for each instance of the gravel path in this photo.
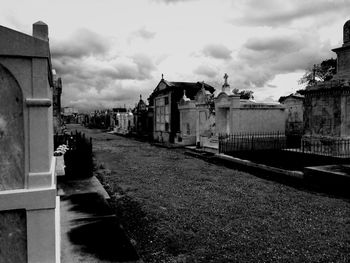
(178, 208)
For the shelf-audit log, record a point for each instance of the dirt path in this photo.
(178, 208)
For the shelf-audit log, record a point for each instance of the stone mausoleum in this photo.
(196, 118)
(234, 115)
(29, 208)
(143, 122)
(327, 104)
(164, 103)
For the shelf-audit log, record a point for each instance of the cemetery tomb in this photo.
(327, 107)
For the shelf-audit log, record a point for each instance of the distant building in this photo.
(69, 114)
(164, 103)
(124, 123)
(143, 121)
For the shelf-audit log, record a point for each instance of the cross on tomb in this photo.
(225, 77)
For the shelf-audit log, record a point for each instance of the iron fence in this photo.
(327, 146)
(252, 141)
(317, 145)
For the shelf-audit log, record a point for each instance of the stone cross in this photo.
(225, 77)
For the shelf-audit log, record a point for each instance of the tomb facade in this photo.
(196, 118)
(235, 115)
(143, 123)
(163, 103)
(29, 208)
(327, 104)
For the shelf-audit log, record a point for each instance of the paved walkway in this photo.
(90, 232)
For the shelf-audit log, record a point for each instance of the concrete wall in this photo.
(257, 120)
(295, 112)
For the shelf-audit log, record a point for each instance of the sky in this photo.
(109, 52)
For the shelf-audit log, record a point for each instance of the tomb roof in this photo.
(190, 85)
(292, 95)
(180, 86)
(17, 44)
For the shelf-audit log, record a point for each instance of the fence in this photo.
(252, 141)
(78, 159)
(327, 146)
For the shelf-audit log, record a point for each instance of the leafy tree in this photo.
(319, 72)
(244, 94)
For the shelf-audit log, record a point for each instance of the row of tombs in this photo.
(188, 113)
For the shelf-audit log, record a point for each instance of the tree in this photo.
(244, 94)
(320, 72)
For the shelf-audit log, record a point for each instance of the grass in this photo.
(177, 208)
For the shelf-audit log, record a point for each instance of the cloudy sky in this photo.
(110, 51)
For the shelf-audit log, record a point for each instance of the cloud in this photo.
(205, 70)
(277, 44)
(277, 13)
(260, 59)
(218, 51)
(113, 94)
(81, 44)
(94, 74)
(172, 1)
(271, 86)
(143, 33)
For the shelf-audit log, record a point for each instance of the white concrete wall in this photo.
(259, 120)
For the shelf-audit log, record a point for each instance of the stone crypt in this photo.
(327, 107)
(29, 208)
(235, 115)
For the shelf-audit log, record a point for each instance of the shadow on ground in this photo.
(95, 230)
(323, 186)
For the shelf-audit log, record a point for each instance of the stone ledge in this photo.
(38, 102)
(294, 174)
(29, 199)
